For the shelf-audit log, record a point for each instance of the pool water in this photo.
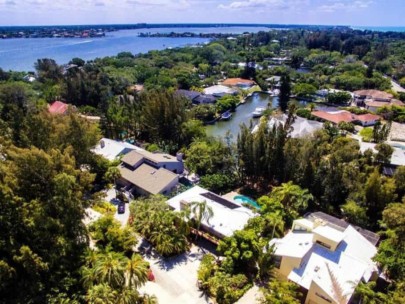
(246, 200)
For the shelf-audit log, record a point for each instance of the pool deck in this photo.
(229, 196)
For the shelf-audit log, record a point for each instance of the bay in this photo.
(21, 54)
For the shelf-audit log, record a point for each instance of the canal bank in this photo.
(243, 114)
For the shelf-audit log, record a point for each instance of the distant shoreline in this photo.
(95, 31)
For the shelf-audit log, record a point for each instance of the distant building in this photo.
(375, 99)
(326, 257)
(58, 107)
(337, 116)
(238, 82)
(228, 216)
(219, 90)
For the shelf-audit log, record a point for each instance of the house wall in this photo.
(325, 240)
(170, 187)
(316, 295)
(287, 265)
(176, 167)
(368, 123)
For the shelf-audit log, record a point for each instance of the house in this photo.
(335, 117)
(145, 173)
(112, 149)
(367, 119)
(274, 81)
(397, 157)
(228, 216)
(190, 95)
(219, 90)
(238, 82)
(205, 99)
(375, 99)
(326, 257)
(58, 107)
(301, 127)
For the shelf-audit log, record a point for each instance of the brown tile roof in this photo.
(236, 81)
(397, 102)
(374, 94)
(148, 178)
(135, 156)
(367, 117)
(335, 117)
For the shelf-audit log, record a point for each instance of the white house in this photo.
(112, 149)
(327, 257)
(228, 216)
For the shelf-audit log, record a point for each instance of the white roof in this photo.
(219, 89)
(294, 245)
(225, 220)
(397, 158)
(300, 128)
(329, 233)
(336, 272)
(113, 148)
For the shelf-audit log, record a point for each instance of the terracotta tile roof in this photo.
(58, 107)
(236, 81)
(367, 117)
(335, 117)
(376, 94)
(397, 102)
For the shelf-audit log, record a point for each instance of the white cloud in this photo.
(345, 5)
(254, 4)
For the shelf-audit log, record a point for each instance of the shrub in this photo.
(303, 112)
(367, 134)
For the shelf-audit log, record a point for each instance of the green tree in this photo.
(201, 212)
(285, 92)
(281, 292)
(384, 153)
(304, 90)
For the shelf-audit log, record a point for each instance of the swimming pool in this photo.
(398, 146)
(246, 200)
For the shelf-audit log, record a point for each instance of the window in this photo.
(277, 261)
(323, 297)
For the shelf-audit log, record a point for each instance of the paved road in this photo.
(396, 87)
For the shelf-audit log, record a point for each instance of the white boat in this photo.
(258, 112)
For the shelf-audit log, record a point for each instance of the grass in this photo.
(367, 134)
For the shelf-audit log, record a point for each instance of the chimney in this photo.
(102, 144)
(183, 204)
(179, 156)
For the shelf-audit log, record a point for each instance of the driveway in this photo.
(110, 196)
(176, 278)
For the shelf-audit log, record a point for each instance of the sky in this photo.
(321, 12)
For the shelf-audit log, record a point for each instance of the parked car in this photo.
(121, 208)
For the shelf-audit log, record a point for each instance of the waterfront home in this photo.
(220, 90)
(190, 95)
(238, 82)
(145, 173)
(326, 257)
(228, 216)
(59, 107)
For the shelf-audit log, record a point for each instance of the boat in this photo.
(258, 112)
(226, 115)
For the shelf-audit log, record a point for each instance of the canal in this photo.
(243, 114)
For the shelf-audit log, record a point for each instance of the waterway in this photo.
(21, 54)
(242, 115)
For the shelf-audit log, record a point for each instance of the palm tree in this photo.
(128, 296)
(137, 271)
(149, 299)
(101, 294)
(89, 276)
(110, 269)
(201, 212)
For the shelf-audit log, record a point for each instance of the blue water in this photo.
(21, 54)
(246, 200)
